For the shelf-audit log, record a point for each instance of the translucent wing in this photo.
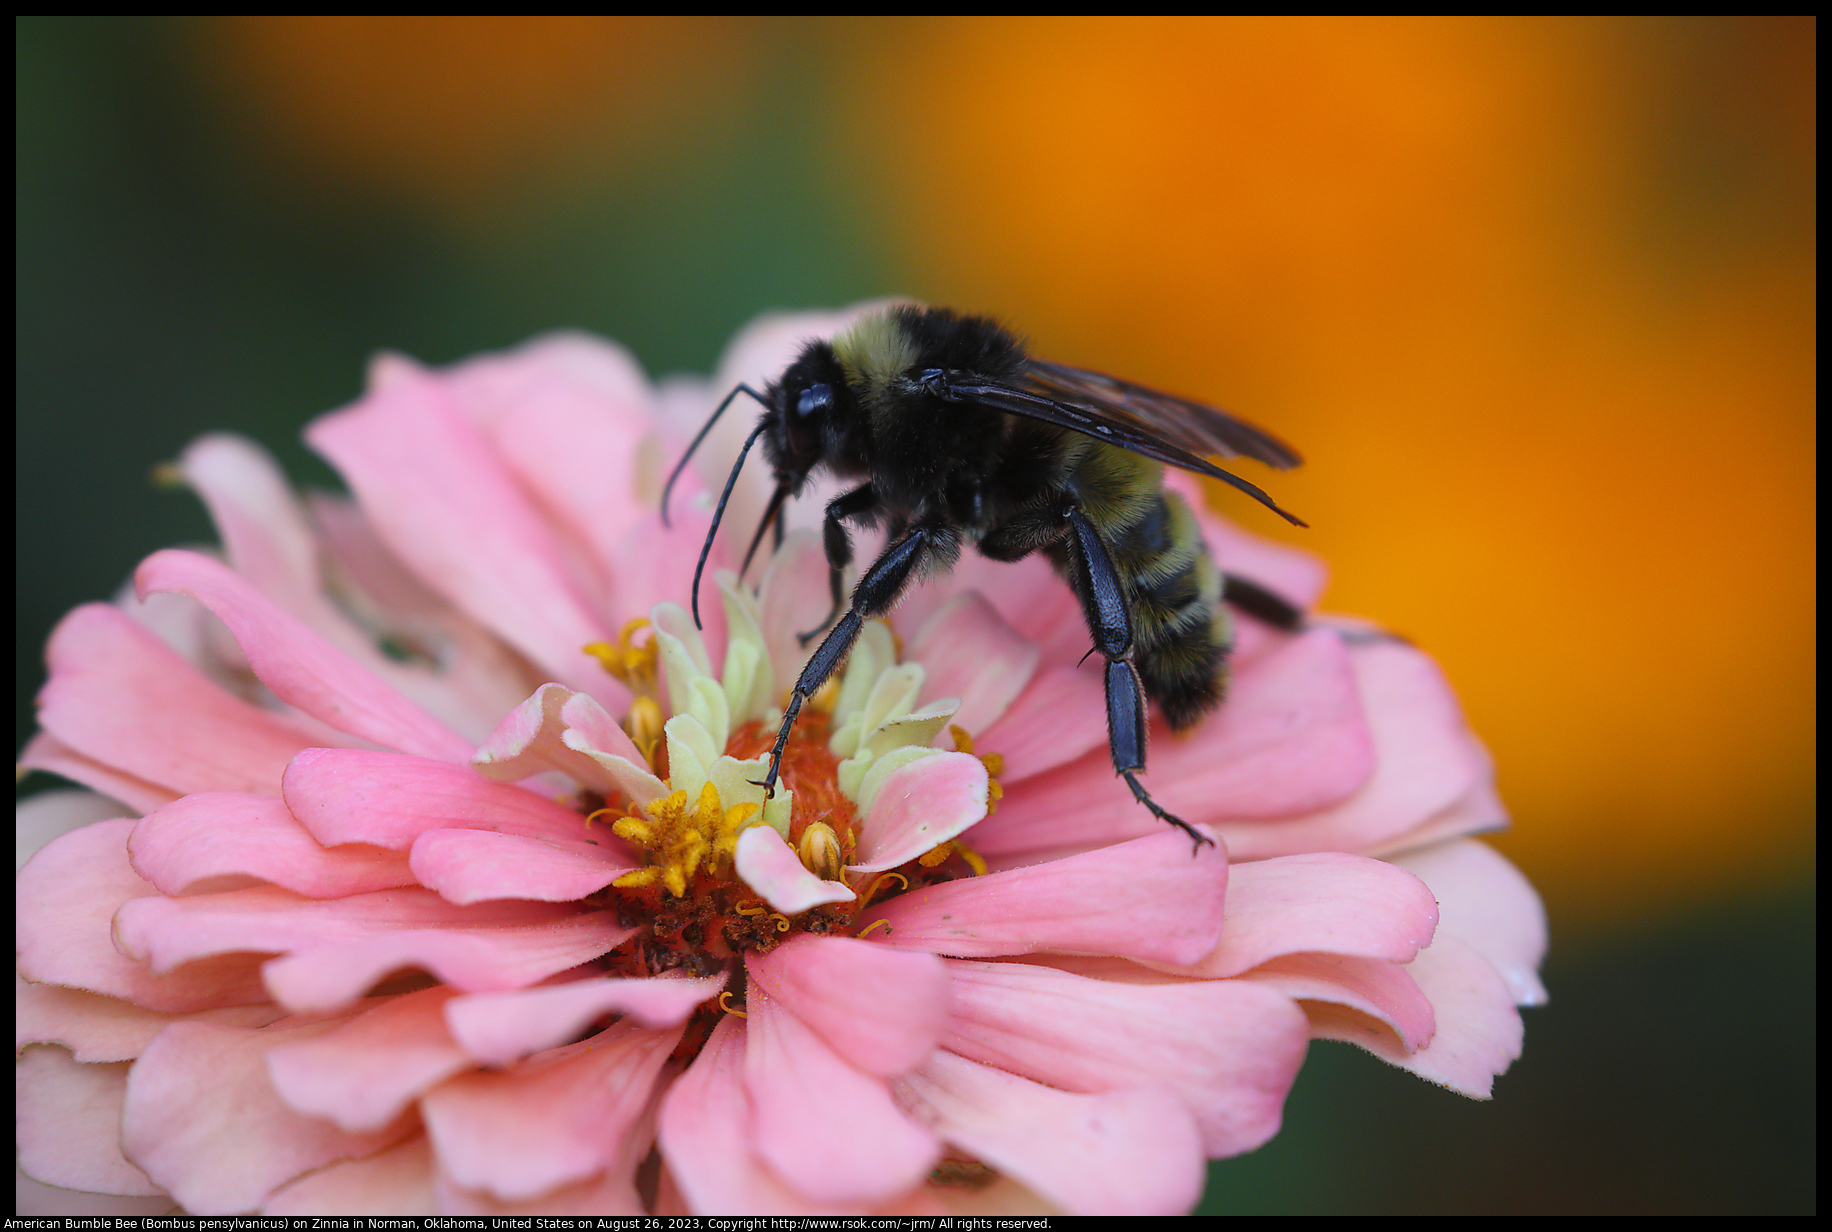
(1192, 426)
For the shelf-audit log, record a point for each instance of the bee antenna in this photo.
(704, 429)
(731, 481)
(769, 516)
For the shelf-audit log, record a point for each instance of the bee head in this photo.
(808, 416)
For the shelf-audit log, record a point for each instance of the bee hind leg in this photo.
(1103, 600)
(1263, 605)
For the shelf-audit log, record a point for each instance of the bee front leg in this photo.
(838, 545)
(1103, 600)
(876, 593)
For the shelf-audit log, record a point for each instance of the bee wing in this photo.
(1121, 433)
(1190, 425)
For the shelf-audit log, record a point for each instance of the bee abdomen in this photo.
(1181, 633)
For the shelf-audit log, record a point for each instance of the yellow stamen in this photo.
(632, 664)
(872, 889)
(725, 1003)
(820, 851)
(874, 926)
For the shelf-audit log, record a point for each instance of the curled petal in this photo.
(224, 1155)
(1484, 901)
(880, 1009)
(388, 800)
(920, 806)
(1128, 1152)
(497, 1028)
(1228, 1049)
(770, 866)
(297, 663)
(1156, 902)
(559, 729)
(217, 840)
(827, 1128)
(556, 1121)
(1368, 986)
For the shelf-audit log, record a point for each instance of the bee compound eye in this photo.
(814, 401)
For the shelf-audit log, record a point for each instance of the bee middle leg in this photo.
(838, 545)
(876, 593)
(1103, 600)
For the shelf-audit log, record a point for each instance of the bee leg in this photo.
(1263, 605)
(876, 594)
(1103, 600)
(839, 546)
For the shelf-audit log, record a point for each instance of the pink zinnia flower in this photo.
(434, 881)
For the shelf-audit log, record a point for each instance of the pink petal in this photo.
(1157, 901)
(1368, 986)
(1061, 715)
(558, 729)
(548, 1122)
(1425, 759)
(224, 1154)
(438, 492)
(367, 1070)
(46, 752)
(105, 1029)
(388, 800)
(484, 961)
(68, 896)
(1479, 1031)
(968, 651)
(793, 600)
(498, 1028)
(1289, 739)
(397, 1181)
(882, 1010)
(704, 1136)
(828, 1129)
(1229, 1050)
(49, 814)
(1329, 902)
(473, 866)
(222, 840)
(921, 806)
(113, 692)
(1131, 1152)
(768, 865)
(1484, 901)
(298, 664)
(68, 1120)
(1287, 571)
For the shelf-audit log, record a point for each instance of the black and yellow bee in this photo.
(960, 436)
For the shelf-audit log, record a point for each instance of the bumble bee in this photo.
(959, 436)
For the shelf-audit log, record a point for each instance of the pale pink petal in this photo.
(1290, 738)
(658, 561)
(705, 1138)
(1329, 902)
(366, 1070)
(1228, 1049)
(1425, 759)
(224, 840)
(46, 752)
(1484, 901)
(767, 864)
(1479, 1031)
(921, 806)
(474, 866)
(1291, 572)
(397, 1181)
(68, 895)
(968, 651)
(551, 1121)
(106, 1029)
(498, 1028)
(1379, 990)
(480, 961)
(558, 729)
(1061, 715)
(1028, 595)
(443, 500)
(827, 1128)
(1157, 900)
(113, 691)
(880, 1009)
(1129, 1152)
(793, 600)
(223, 1155)
(68, 1119)
(388, 800)
(298, 664)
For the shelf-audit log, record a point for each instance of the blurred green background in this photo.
(1535, 297)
